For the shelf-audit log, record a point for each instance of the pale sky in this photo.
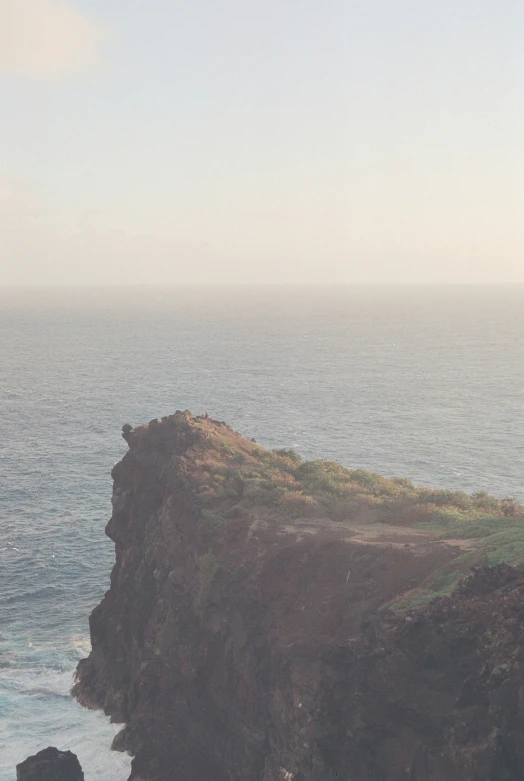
(281, 141)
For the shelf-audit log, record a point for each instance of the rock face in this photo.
(50, 765)
(249, 636)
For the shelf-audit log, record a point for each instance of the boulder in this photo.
(50, 765)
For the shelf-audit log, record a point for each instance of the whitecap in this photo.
(81, 644)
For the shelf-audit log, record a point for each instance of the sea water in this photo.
(418, 382)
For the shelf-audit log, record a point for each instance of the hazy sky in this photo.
(275, 141)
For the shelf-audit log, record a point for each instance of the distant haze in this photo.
(341, 141)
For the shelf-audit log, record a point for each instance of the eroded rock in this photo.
(248, 639)
(50, 765)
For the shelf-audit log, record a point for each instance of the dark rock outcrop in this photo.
(251, 638)
(50, 765)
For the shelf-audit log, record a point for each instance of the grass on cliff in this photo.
(251, 476)
(238, 477)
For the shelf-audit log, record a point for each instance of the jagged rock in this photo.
(50, 765)
(261, 645)
(119, 741)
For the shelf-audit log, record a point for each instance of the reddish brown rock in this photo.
(239, 643)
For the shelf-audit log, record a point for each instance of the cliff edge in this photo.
(267, 619)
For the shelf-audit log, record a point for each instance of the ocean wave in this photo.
(33, 594)
(81, 644)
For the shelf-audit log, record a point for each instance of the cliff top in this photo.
(236, 481)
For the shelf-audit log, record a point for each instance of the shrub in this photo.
(446, 516)
(296, 503)
(443, 498)
(403, 482)
(374, 483)
(258, 494)
(344, 509)
(484, 501)
(322, 476)
(291, 455)
(234, 512)
(205, 499)
(228, 451)
(419, 512)
(510, 508)
(212, 517)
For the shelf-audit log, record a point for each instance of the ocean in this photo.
(421, 382)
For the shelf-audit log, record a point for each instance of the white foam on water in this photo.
(37, 711)
(80, 644)
(62, 723)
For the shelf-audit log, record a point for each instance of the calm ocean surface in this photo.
(417, 382)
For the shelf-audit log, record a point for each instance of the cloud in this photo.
(46, 37)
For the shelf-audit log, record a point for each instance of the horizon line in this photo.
(204, 285)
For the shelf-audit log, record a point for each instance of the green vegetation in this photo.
(280, 479)
(213, 517)
(297, 503)
(236, 479)
(495, 539)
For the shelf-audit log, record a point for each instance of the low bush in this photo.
(207, 515)
(296, 503)
(290, 455)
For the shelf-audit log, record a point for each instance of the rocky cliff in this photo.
(266, 619)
